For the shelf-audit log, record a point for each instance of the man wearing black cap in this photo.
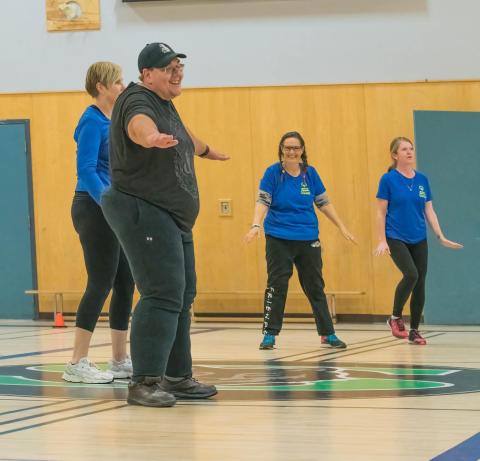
(152, 206)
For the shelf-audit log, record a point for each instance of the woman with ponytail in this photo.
(105, 262)
(288, 192)
(404, 205)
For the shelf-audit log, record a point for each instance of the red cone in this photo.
(58, 321)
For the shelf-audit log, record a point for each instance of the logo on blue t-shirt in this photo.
(304, 190)
(291, 215)
(421, 192)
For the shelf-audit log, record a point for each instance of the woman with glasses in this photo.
(289, 190)
(404, 204)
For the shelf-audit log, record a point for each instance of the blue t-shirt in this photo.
(406, 197)
(91, 136)
(291, 215)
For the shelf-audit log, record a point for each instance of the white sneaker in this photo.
(86, 372)
(121, 370)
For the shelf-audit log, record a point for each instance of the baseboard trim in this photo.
(340, 318)
(69, 315)
(246, 316)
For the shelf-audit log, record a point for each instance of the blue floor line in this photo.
(31, 354)
(469, 450)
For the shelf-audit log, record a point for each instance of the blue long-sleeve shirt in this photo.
(91, 136)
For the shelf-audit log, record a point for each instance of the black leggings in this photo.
(306, 255)
(106, 264)
(411, 259)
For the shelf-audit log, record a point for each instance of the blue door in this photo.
(449, 153)
(17, 259)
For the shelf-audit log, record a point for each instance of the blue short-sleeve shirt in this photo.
(291, 215)
(406, 198)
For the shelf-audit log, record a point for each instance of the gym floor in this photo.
(380, 399)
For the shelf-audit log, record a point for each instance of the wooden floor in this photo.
(379, 400)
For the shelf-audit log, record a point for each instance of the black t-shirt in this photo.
(163, 177)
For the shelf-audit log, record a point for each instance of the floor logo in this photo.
(266, 381)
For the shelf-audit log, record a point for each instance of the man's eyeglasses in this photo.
(173, 69)
(292, 148)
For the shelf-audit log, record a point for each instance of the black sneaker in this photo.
(149, 393)
(188, 388)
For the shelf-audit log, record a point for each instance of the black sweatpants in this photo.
(106, 264)
(411, 260)
(163, 264)
(281, 256)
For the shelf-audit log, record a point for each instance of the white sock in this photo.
(174, 380)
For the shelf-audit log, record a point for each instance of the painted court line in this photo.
(469, 450)
(36, 335)
(286, 404)
(53, 351)
(347, 353)
(49, 351)
(49, 413)
(32, 408)
(337, 353)
(22, 459)
(33, 426)
(316, 351)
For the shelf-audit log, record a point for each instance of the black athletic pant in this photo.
(106, 265)
(411, 259)
(282, 255)
(163, 264)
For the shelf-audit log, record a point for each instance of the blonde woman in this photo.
(404, 205)
(106, 265)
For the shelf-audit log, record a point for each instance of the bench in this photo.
(332, 300)
(57, 296)
(331, 297)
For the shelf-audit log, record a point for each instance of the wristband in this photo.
(256, 225)
(205, 153)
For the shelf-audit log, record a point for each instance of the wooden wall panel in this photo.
(222, 118)
(59, 256)
(347, 129)
(16, 106)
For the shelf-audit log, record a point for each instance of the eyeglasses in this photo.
(176, 69)
(292, 148)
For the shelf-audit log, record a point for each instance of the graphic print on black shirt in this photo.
(184, 169)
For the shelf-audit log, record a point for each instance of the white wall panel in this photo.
(249, 42)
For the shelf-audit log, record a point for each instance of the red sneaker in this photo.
(323, 340)
(398, 328)
(414, 337)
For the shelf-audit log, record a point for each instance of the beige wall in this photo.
(347, 129)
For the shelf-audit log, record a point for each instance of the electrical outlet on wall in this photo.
(225, 207)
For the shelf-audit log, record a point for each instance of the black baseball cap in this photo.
(157, 55)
